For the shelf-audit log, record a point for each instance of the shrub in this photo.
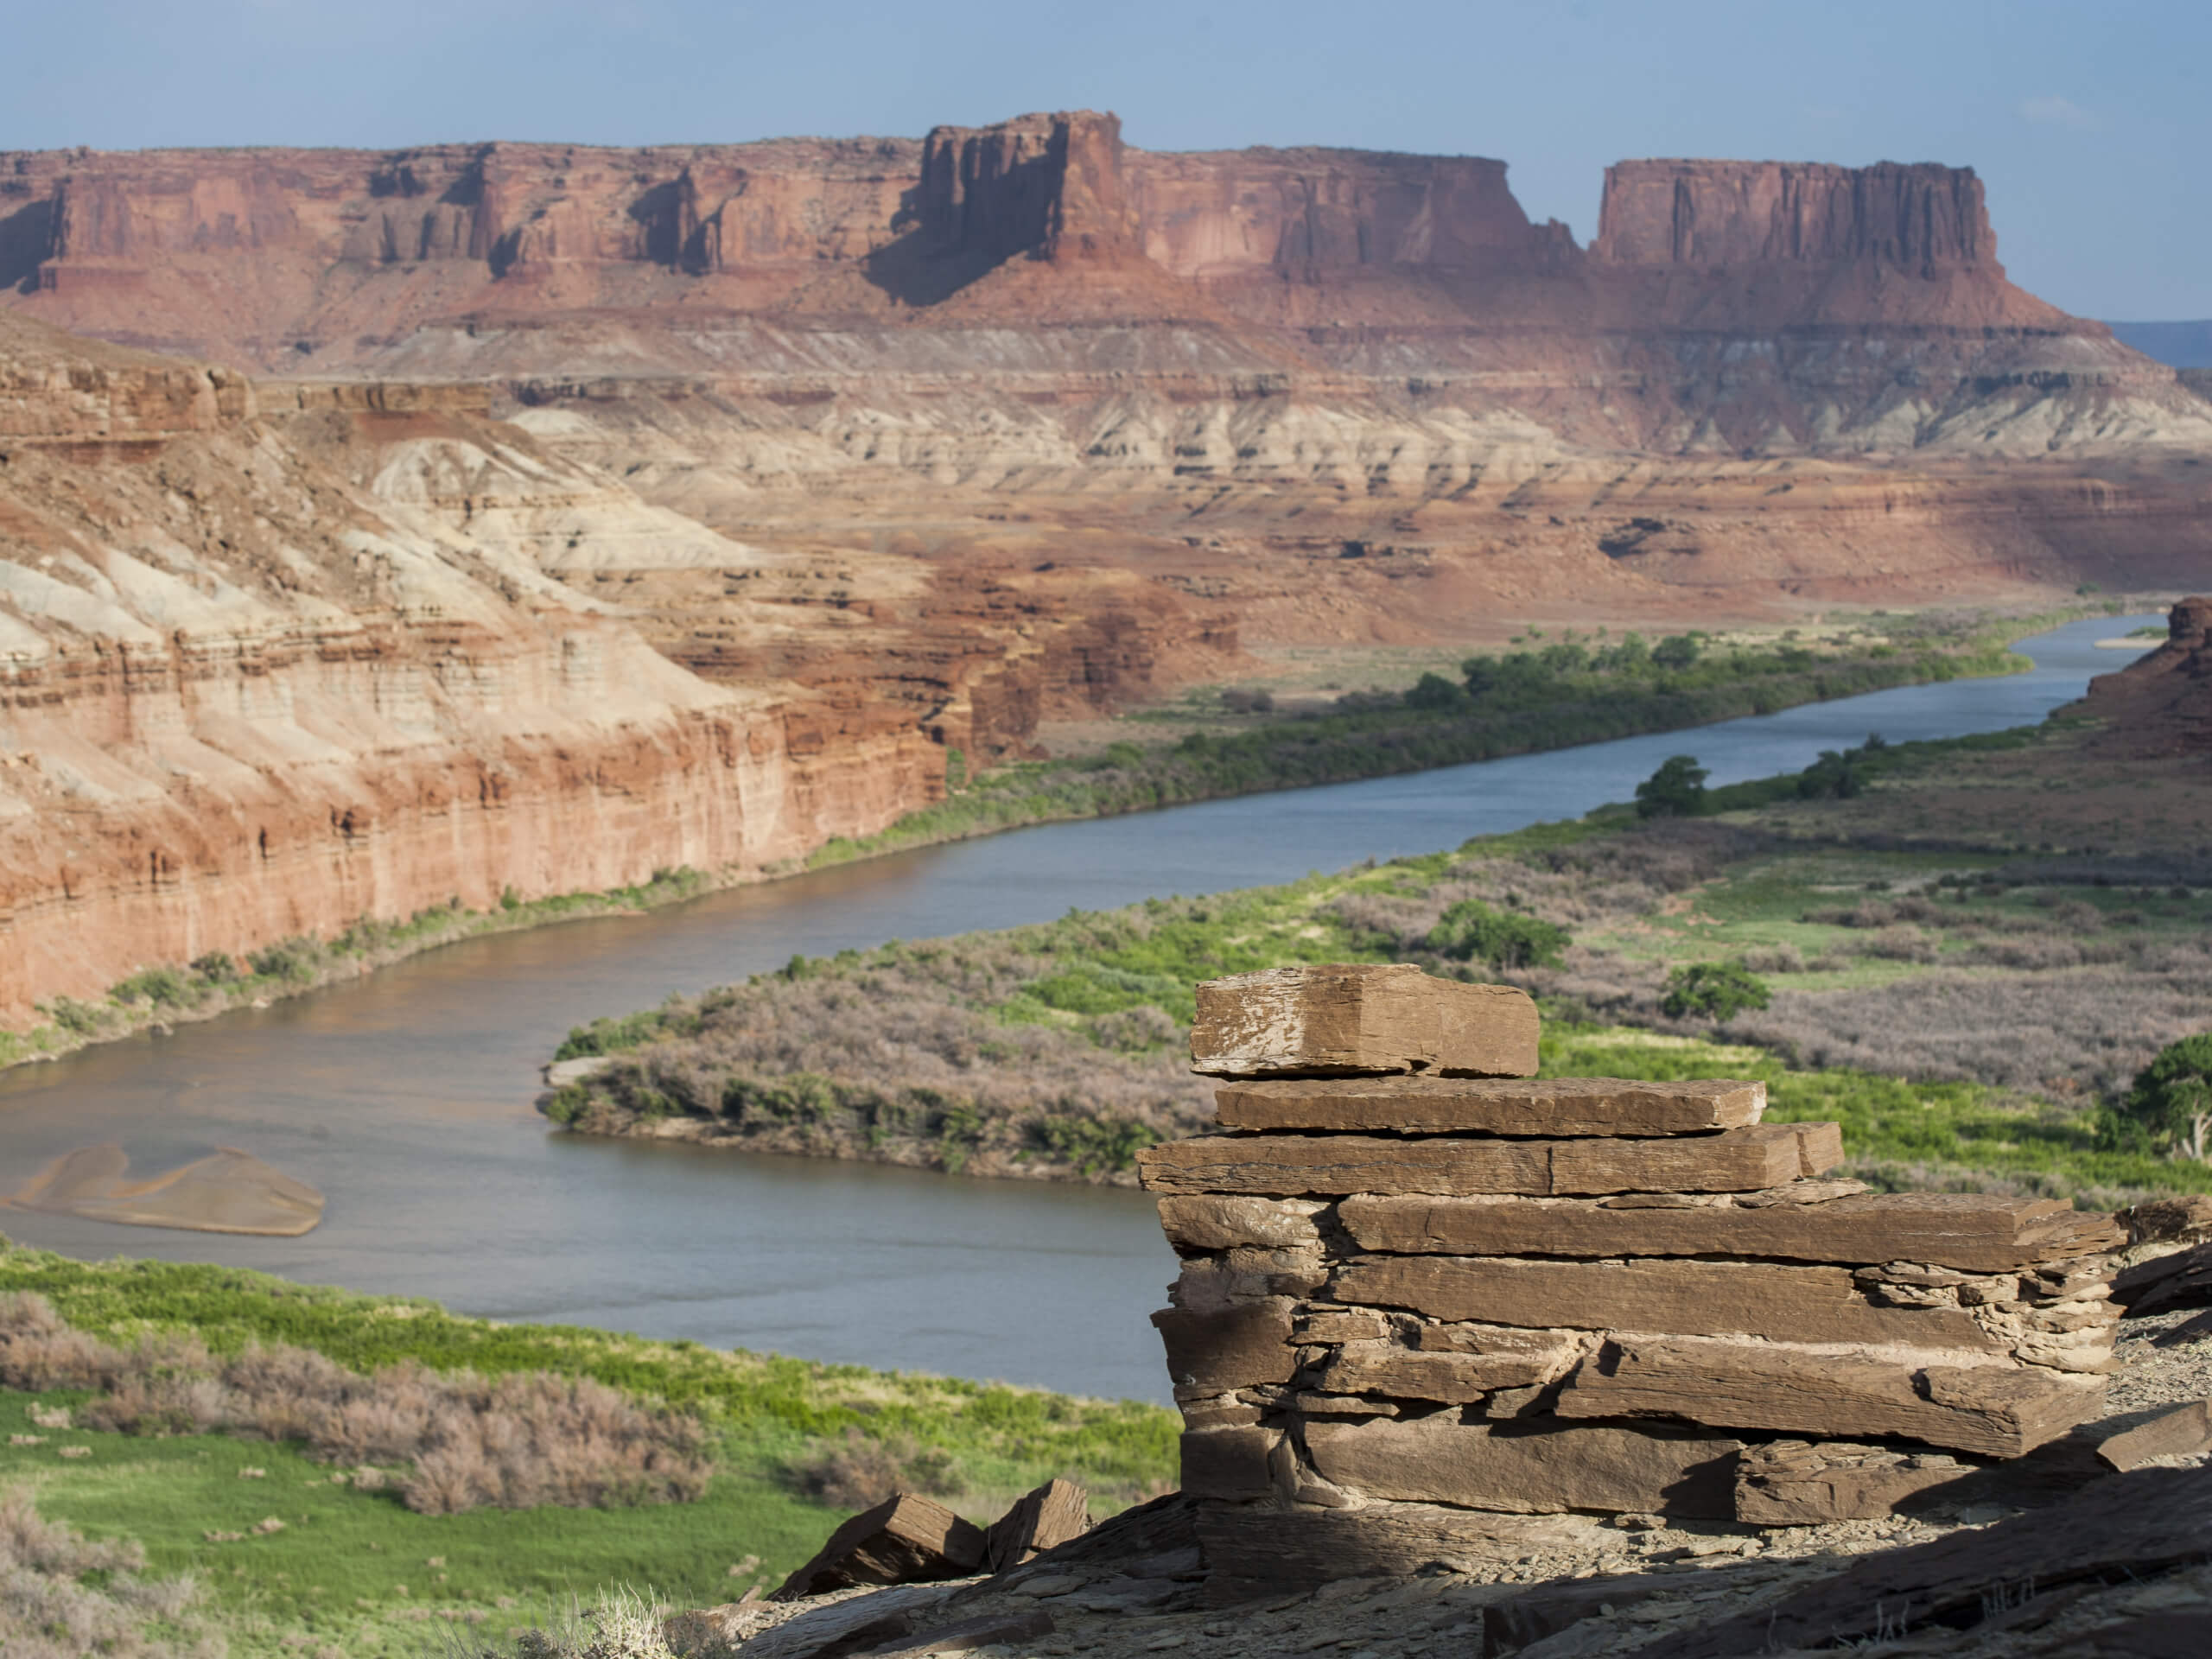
(217, 968)
(62, 1595)
(1140, 1030)
(1471, 931)
(1676, 791)
(1094, 1145)
(859, 1472)
(1436, 694)
(78, 1019)
(515, 1442)
(1712, 990)
(611, 1034)
(1834, 776)
(292, 959)
(1776, 959)
(161, 987)
(2170, 1101)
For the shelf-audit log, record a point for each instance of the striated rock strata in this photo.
(1365, 1323)
(1351, 395)
(273, 660)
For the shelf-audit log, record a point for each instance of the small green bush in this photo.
(611, 1034)
(162, 987)
(1712, 990)
(567, 1103)
(1094, 1145)
(77, 1019)
(291, 959)
(217, 968)
(1471, 931)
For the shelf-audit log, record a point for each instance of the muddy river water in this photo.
(406, 1097)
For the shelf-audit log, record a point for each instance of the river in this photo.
(406, 1097)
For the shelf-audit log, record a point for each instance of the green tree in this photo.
(1718, 991)
(1676, 791)
(1435, 693)
(2171, 1099)
(1676, 650)
(1471, 931)
(1832, 777)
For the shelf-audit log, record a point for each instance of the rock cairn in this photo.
(1423, 1293)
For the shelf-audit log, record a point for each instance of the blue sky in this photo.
(2088, 121)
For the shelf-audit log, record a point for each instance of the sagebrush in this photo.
(453, 1441)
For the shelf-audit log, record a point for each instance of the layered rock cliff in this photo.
(1723, 306)
(274, 658)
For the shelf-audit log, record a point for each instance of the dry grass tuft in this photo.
(514, 1442)
(48, 1611)
(860, 1472)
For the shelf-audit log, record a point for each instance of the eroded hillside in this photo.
(275, 658)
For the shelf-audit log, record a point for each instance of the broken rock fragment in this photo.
(903, 1540)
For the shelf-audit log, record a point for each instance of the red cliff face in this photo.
(331, 255)
(1808, 243)
(1305, 212)
(1709, 213)
(1049, 185)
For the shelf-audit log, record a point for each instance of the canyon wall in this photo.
(245, 696)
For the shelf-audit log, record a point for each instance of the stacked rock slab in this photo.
(1423, 1290)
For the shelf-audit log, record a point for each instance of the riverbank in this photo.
(1548, 694)
(1552, 693)
(796, 1446)
(1964, 1003)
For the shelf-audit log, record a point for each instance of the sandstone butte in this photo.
(562, 513)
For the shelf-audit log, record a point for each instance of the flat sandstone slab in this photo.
(1965, 1231)
(1753, 1299)
(1345, 1020)
(1547, 1106)
(1997, 1411)
(1481, 1361)
(1735, 1160)
(1539, 1471)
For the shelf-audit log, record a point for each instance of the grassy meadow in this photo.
(351, 1570)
